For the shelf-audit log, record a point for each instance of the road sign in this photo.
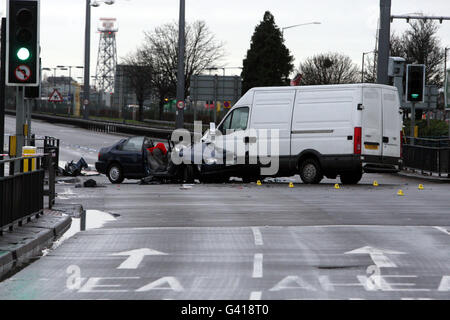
(227, 104)
(180, 105)
(22, 73)
(215, 88)
(55, 96)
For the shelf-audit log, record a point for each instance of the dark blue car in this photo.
(124, 160)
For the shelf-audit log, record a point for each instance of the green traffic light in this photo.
(414, 95)
(23, 54)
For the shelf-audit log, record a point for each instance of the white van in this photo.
(329, 130)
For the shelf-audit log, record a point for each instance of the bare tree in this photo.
(138, 72)
(421, 45)
(418, 44)
(160, 49)
(328, 68)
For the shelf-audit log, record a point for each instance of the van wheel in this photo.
(249, 179)
(188, 174)
(352, 177)
(310, 171)
(115, 173)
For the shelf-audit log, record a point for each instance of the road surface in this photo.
(243, 241)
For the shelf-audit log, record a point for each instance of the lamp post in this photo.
(87, 52)
(298, 25)
(70, 82)
(362, 68)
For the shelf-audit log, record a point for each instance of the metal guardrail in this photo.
(21, 193)
(103, 126)
(427, 155)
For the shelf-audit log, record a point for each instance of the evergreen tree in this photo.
(268, 61)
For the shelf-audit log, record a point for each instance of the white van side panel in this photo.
(372, 126)
(272, 109)
(323, 119)
(392, 122)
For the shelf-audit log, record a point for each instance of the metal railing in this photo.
(427, 155)
(21, 193)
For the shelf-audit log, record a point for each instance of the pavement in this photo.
(24, 243)
(244, 241)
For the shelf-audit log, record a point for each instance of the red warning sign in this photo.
(55, 96)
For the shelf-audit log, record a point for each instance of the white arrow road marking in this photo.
(377, 255)
(443, 230)
(136, 256)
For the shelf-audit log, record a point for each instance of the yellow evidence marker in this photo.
(258, 182)
(291, 185)
(421, 187)
(400, 193)
(336, 186)
(375, 183)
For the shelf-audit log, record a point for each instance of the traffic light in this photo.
(22, 43)
(415, 82)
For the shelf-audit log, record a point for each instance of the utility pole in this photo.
(179, 122)
(384, 42)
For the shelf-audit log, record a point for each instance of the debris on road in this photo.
(90, 183)
(74, 169)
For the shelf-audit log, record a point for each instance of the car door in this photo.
(391, 124)
(372, 126)
(130, 156)
(231, 144)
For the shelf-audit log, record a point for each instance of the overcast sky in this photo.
(348, 26)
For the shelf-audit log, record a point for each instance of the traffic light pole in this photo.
(413, 123)
(20, 121)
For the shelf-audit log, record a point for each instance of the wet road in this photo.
(243, 241)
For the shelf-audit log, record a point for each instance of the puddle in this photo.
(95, 219)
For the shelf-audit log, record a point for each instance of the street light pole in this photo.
(298, 25)
(362, 68)
(179, 122)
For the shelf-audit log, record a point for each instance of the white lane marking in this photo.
(445, 284)
(293, 282)
(135, 257)
(171, 283)
(377, 255)
(255, 295)
(258, 265)
(442, 230)
(258, 236)
(93, 283)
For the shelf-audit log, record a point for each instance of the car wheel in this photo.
(310, 171)
(115, 173)
(351, 178)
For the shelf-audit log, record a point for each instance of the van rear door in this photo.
(372, 122)
(391, 123)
